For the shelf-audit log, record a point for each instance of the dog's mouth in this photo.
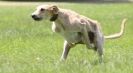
(36, 18)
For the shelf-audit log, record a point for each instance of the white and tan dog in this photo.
(75, 28)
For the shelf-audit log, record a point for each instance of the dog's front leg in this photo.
(66, 49)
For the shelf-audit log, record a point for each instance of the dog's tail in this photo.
(119, 34)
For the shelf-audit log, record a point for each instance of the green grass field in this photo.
(27, 46)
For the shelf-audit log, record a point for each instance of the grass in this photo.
(31, 47)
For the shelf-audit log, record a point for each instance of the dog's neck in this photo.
(54, 17)
(58, 20)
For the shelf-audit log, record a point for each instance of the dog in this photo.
(75, 28)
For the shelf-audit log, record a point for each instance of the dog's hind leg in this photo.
(85, 36)
(99, 45)
(66, 49)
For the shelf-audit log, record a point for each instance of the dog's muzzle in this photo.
(35, 17)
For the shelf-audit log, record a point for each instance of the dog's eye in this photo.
(42, 9)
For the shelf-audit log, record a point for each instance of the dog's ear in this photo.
(54, 9)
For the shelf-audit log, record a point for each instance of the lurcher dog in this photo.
(75, 28)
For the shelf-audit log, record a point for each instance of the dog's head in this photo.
(45, 12)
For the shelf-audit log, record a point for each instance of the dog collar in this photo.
(54, 17)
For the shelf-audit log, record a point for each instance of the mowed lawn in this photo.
(27, 46)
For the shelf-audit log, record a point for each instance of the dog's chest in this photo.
(70, 36)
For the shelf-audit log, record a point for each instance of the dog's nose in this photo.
(33, 16)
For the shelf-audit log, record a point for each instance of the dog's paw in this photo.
(90, 46)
